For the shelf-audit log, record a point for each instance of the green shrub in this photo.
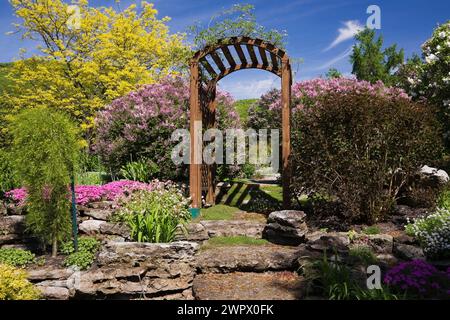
(45, 150)
(443, 200)
(360, 147)
(433, 233)
(143, 170)
(335, 281)
(154, 216)
(86, 244)
(8, 179)
(372, 230)
(80, 259)
(363, 254)
(15, 286)
(84, 257)
(16, 257)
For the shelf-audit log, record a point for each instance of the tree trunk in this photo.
(54, 247)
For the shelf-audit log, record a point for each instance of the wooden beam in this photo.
(208, 68)
(195, 183)
(286, 81)
(229, 56)
(247, 66)
(211, 168)
(263, 55)
(241, 54)
(253, 58)
(218, 61)
(274, 59)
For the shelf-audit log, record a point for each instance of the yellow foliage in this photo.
(15, 286)
(84, 66)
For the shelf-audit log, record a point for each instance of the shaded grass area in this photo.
(232, 241)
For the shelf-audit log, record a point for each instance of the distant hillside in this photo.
(242, 107)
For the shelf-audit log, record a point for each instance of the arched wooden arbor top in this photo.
(207, 67)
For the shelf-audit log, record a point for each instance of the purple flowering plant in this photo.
(112, 191)
(419, 279)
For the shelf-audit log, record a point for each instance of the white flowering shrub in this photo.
(430, 77)
(433, 233)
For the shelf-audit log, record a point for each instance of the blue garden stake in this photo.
(74, 214)
(195, 212)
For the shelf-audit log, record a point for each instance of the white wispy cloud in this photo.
(350, 29)
(336, 59)
(251, 88)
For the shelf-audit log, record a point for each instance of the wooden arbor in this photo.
(207, 67)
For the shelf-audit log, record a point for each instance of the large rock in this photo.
(408, 252)
(11, 229)
(286, 227)
(249, 286)
(98, 214)
(379, 243)
(194, 232)
(91, 227)
(51, 292)
(115, 229)
(433, 176)
(247, 258)
(45, 273)
(129, 269)
(232, 228)
(329, 241)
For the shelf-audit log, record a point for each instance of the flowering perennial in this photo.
(419, 279)
(433, 233)
(86, 194)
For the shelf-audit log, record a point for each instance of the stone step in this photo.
(249, 286)
(247, 258)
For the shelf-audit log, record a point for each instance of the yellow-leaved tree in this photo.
(89, 56)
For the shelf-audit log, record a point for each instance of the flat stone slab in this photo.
(232, 228)
(247, 258)
(248, 286)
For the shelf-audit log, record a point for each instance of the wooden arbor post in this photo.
(286, 82)
(195, 184)
(226, 57)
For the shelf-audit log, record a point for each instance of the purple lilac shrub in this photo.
(140, 125)
(419, 279)
(266, 113)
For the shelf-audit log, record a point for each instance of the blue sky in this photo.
(319, 31)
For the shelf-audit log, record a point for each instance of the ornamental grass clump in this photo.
(155, 216)
(433, 233)
(419, 279)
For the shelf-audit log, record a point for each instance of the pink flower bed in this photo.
(87, 194)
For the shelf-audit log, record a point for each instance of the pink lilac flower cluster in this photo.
(141, 123)
(306, 94)
(87, 194)
(419, 279)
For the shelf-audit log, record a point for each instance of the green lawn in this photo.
(218, 212)
(233, 241)
(242, 108)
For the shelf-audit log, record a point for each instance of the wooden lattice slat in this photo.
(263, 55)
(228, 56)
(218, 61)
(251, 52)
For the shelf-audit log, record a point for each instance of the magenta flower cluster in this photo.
(87, 194)
(419, 279)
